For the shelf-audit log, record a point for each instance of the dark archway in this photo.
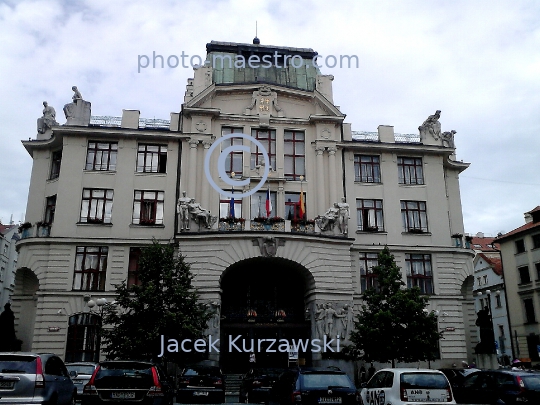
(24, 305)
(263, 298)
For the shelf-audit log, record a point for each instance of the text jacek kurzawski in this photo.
(240, 345)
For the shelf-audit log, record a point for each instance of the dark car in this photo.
(31, 378)
(257, 384)
(128, 382)
(494, 386)
(201, 384)
(315, 386)
(457, 375)
(80, 373)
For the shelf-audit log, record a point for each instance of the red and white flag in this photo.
(268, 204)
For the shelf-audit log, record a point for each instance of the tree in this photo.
(165, 303)
(394, 324)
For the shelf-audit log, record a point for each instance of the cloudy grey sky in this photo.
(477, 61)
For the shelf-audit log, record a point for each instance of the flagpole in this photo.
(302, 196)
(231, 203)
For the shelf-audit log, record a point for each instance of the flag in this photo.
(268, 204)
(301, 206)
(231, 206)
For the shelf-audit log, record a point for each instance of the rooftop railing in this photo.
(144, 123)
(364, 136)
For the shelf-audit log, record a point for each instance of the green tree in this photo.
(165, 303)
(394, 324)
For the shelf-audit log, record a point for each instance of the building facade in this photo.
(520, 252)
(9, 235)
(296, 256)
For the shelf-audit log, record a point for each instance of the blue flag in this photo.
(231, 207)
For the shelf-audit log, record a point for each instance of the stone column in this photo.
(205, 185)
(191, 182)
(334, 181)
(320, 197)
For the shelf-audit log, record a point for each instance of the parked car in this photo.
(128, 381)
(80, 373)
(201, 384)
(257, 384)
(494, 386)
(315, 386)
(31, 378)
(402, 386)
(457, 375)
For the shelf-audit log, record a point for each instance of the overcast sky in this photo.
(477, 61)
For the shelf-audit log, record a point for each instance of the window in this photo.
(83, 338)
(479, 279)
(148, 208)
(413, 214)
(152, 158)
(524, 276)
(367, 278)
(234, 162)
(56, 160)
(501, 330)
(101, 155)
(537, 266)
(498, 302)
(258, 204)
(90, 268)
(295, 155)
(520, 246)
(268, 139)
(292, 206)
(529, 310)
(96, 206)
(369, 214)
(536, 241)
(485, 279)
(410, 170)
(367, 169)
(50, 208)
(225, 207)
(133, 267)
(533, 341)
(419, 272)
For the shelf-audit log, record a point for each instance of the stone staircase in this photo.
(232, 383)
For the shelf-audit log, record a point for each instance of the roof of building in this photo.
(523, 228)
(494, 262)
(302, 75)
(483, 244)
(6, 228)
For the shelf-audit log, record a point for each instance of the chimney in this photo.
(130, 119)
(480, 235)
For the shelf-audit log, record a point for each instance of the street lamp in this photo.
(100, 302)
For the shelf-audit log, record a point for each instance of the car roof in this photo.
(412, 370)
(81, 363)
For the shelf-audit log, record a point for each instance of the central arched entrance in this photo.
(263, 298)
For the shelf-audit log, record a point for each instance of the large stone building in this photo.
(520, 252)
(102, 188)
(9, 235)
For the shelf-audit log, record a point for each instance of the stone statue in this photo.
(216, 309)
(319, 320)
(344, 216)
(329, 315)
(431, 126)
(76, 95)
(182, 209)
(8, 340)
(487, 343)
(448, 139)
(201, 215)
(327, 221)
(347, 321)
(48, 119)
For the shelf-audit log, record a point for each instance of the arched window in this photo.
(83, 338)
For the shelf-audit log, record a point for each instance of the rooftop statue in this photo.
(327, 221)
(77, 112)
(431, 126)
(48, 119)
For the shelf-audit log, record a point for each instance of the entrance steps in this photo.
(232, 383)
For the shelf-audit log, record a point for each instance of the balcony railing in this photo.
(364, 136)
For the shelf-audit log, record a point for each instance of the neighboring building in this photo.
(520, 251)
(103, 188)
(489, 292)
(9, 236)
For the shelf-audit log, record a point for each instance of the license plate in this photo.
(424, 395)
(77, 382)
(330, 400)
(200, 393)
(7, 384)
(123, 395)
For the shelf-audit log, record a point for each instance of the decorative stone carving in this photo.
(182, 209)
(431, 126)
(268, 245)
(48, 120)
(319, 317)
(347, 321)
(215, 307)
(201, 126)
(200, 215)
(344, 216)
(448, 139)
(265, 101)
(325, 133)
(327, 221)
(77, 112)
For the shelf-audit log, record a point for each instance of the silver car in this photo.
(80, 373)
(30, 378)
